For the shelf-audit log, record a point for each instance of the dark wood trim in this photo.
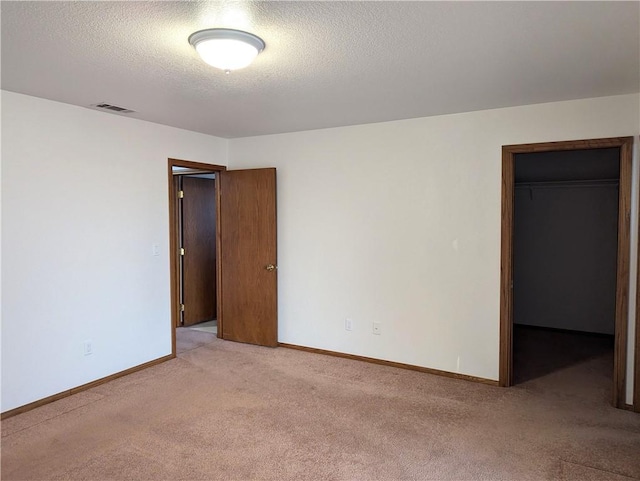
(218, 263)
(173, 266)
(606, 143)
(622, 277)
(196, 165)
(506, 270)
(173, 242)
(636, 355)
(623, 274)
(84, 387)
(173, 262)
(399, 365)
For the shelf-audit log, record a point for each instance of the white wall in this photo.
(84, 196)
(399, 223)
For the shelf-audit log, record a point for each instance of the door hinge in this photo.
(181, 307)
(181, 194)
(181, 251)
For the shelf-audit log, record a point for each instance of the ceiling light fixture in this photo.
(225, 48)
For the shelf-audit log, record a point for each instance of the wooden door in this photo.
(249, 302)
(199, 243)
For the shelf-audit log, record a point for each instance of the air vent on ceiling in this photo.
(112, 108)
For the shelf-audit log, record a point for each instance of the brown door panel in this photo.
(199, 242)
(248, 249)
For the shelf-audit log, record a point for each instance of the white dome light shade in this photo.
(226, 49)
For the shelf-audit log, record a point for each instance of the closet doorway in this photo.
(565, 258)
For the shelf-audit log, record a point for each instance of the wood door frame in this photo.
(623, 257)
(173, 243)
(636, 372)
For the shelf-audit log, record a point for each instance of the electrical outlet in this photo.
(348, 324)
(155, 249)
(377, 328)
(87, 347)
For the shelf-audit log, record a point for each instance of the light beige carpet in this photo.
(229, 411)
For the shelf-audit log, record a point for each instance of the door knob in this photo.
(271, 267)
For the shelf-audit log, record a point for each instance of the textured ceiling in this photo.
(326, 64)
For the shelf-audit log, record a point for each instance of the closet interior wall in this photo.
(565, 239)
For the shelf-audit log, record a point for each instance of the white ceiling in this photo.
(326, 64)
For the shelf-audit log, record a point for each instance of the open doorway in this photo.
(242, 292)
(196, 232)
(565, 259)
(194, 224)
